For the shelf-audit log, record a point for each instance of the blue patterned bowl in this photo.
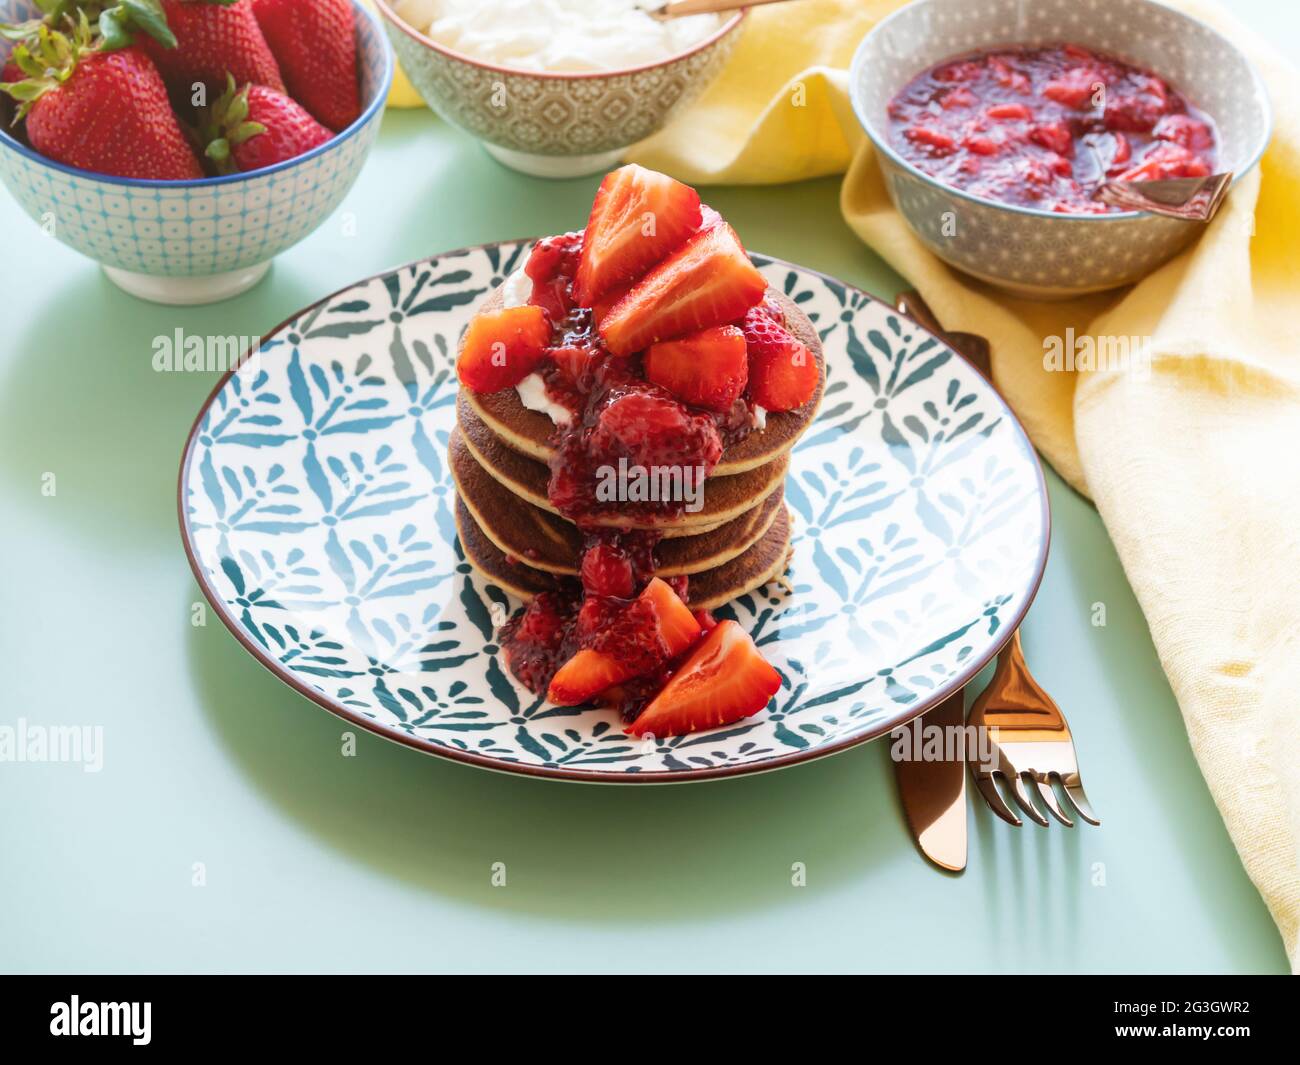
(188, 242)
(1028, 251)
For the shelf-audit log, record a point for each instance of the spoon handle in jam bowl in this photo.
(678, 8)
(1194, 199)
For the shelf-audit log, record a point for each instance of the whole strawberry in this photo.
(102, 111)
(213, 38)
(315, 43)
(253, 127)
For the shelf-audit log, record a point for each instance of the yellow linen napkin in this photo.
(1193, 467)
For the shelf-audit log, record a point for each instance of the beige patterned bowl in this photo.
(556, 125)
(1031, 252)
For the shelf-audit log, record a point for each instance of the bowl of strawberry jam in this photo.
(994, 128)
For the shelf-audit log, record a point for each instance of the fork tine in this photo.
(1079, 799)
(990, 792)
(1021, 796)
(1048, 796)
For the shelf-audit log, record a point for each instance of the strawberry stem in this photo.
(225, 126)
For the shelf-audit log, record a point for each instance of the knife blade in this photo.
(934, 792)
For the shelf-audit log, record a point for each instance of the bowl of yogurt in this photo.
(556, 88)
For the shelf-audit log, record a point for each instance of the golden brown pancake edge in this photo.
(724, 498)
(765, 560)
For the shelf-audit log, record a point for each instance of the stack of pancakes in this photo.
(737, 541)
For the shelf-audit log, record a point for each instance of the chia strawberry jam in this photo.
(619, 415)
(643, 326)
(1045, 127)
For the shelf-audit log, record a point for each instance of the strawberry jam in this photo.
(619, 417)
(1045, 127)
(666, 286)
(539, 639)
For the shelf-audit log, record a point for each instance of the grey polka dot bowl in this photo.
(190, 242)
(1032, 252)
(556, 125)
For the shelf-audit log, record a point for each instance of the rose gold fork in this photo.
(1031, 740)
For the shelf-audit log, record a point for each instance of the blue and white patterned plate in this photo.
(316, 509)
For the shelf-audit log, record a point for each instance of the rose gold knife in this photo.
(934, 792)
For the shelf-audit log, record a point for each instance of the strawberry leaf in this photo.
(115, 29)
(120, 24)
(148, 15)
(246, 131)
(19, 31)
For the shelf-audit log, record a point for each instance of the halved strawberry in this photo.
(657, 626)
(782, 372)
(725, 679)
(638, 218)
(502, 348)
(706, 369)
(709, 281)
(607, 302)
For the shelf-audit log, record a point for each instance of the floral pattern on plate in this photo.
(317, 503)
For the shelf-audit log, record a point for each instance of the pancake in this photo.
(548, 542)
(725, 498)
(529, 432)
(762, 562)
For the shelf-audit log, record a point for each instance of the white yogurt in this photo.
(569, 36)
(757, 417)
(517, 289)
(532, 394)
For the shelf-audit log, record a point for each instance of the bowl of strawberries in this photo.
(183, 144)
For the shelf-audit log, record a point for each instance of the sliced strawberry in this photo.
(725, 679)
(706, 369)
(958, 97)
(607, 303)
(1074, 88)
(577, 363)
(782, 372)
(1007, 112)
(651, 429)
(607, 571)
(1055, 136)
(936, 140)
(1190, 132)
(502, 348)
(1167, 160)
(639, 217)
(709, 281)
(657, 626)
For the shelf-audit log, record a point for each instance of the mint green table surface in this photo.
(385, 860)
